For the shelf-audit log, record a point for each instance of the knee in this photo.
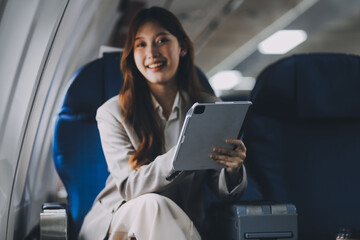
(153, 200)
(150, 203)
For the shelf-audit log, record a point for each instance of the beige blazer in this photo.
(119, 140)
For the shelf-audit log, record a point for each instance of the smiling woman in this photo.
(139, 130)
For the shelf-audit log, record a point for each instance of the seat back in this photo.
(77, 151)
(303, 140)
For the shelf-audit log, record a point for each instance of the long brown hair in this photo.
(135, 99)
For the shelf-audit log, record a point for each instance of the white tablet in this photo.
(208, 125)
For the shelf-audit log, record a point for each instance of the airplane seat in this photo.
(303, 137)
(77, 152)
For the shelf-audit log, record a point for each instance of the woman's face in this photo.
(157, 54)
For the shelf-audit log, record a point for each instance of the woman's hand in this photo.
(233, 158)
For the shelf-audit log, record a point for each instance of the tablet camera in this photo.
(199, 109)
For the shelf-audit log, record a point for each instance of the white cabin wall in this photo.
(42, 44)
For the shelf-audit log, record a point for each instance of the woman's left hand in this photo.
(232, 158)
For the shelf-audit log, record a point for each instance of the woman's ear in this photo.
(184, 49)
(183, 52)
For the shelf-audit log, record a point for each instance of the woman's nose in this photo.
(152, 51)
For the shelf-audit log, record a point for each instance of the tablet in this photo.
(208, 125)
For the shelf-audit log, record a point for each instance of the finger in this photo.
(236, 142)
(218, 157)
(229, 152)
(225, 151)
(227, 158)
(230, 164)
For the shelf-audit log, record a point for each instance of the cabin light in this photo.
(246, 84)
(225, 80)
(282, 41)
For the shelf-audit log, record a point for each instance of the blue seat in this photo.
(77, 151)
(303, 140)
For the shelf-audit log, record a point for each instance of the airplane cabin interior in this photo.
(60, 61)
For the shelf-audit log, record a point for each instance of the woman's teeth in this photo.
(155, 65)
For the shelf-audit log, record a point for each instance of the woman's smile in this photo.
(156, 66)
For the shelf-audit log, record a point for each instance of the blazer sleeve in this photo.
(118, 145)
(218, 183)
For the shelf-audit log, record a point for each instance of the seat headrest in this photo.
(92, 85)
(312, 86)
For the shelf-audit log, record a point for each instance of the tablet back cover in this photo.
(208, 125)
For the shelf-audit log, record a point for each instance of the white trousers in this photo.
(152, 217)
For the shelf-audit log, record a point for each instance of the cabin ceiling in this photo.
(226, 32)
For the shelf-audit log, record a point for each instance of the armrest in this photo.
(54, 221)
(254, 220)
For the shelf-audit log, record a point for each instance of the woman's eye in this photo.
(161, 41)
(139, 45)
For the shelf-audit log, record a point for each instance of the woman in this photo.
(144, 198)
